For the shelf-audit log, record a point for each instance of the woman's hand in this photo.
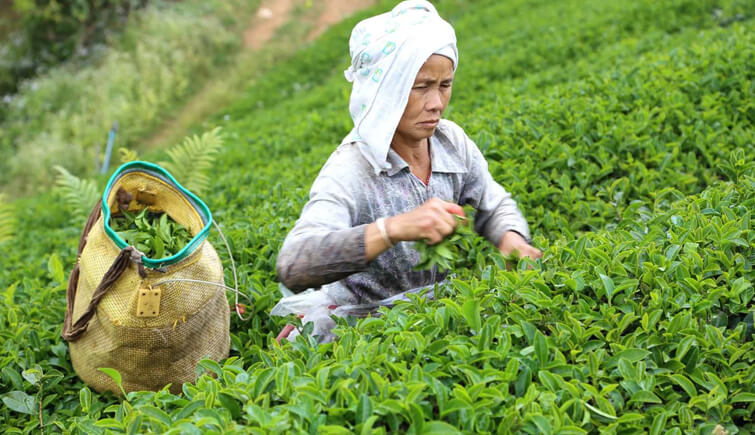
(512, 242)
(432, 221)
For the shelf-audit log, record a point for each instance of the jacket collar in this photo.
(444, 157)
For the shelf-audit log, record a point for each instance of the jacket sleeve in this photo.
(323, 246)
(497, 212)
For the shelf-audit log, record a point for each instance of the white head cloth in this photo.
(387, 51)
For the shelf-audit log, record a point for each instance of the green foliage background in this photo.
(162, 55)
(625, 132)
(44, 33)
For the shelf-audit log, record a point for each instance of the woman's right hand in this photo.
(432, 221)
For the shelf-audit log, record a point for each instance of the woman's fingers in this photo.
(454, 208)
(432, 221)
(448, 222)
(446, 206)
(531, 252)
(527, 251)
(435, 238)
(513, 242)
(446, 211)
(442, 229)
(444, 222)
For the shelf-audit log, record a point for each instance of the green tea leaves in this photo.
(743, 398)
(364, 409)
(608, 287)
(33, 376)
(439, 428)
(455, 251)
(471, 310)
(659, 424)
(85, 399)
(20, 402)
(684, 383)
(541, 348)
(645, 397)
(115, 376)
(55, 267)
(154, 234)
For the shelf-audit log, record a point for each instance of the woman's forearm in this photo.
(313, 258)
(493, 224)
(374, 242)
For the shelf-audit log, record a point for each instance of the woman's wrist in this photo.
(379, 236)
(393, 227)
(383, 230)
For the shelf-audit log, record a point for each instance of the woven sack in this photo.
(105, 322)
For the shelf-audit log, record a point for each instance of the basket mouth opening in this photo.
(138, 185)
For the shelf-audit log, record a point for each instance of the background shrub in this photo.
(63, 116)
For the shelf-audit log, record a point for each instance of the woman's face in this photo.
(427, 101)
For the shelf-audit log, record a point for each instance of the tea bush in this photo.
(624, 131)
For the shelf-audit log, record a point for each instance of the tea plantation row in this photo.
(625, 132)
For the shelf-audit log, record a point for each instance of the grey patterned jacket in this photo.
(326, 244)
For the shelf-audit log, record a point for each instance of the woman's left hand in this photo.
(513, 242)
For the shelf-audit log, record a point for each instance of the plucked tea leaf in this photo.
(158, 247)
(154, 234)
(163, 228)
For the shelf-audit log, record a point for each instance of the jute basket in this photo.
(150, 319)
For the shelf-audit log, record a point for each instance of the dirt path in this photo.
(270, 16)
(335, 11)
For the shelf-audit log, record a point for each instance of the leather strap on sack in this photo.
(72, 332)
